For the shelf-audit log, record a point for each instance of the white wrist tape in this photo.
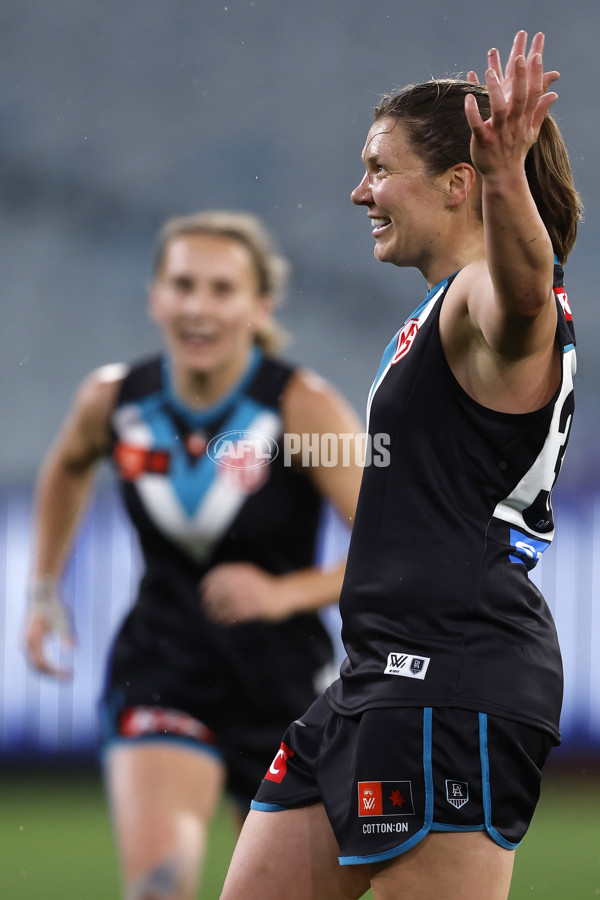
(45, 602)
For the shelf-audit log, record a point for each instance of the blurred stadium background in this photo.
(115, 116)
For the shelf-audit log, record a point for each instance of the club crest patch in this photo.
(457, 792)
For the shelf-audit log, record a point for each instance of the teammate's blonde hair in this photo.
(271, 269)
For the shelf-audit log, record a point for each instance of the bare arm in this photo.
(514, 308)
(239, 591)
(63, 488)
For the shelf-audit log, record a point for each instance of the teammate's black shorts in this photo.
(244, 750)
(389, 776)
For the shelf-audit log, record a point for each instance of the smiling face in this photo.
(206, 301)
(405, 204)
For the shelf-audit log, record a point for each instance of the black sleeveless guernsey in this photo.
(192, 514)
(437, 604)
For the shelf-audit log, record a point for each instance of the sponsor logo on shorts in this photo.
(278, 767)
(385, 798)
(384, 827)
(457, 792)
(407, 665)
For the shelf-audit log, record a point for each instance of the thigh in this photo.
(453, 866)
(293, 854)
(163, 796)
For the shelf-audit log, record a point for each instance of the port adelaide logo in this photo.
(407, 665)
(457, 792)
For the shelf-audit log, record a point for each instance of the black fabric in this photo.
(389, 776)
(436, 570)
(167, 653)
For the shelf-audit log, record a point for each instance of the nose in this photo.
(362, 192)
(196, 302)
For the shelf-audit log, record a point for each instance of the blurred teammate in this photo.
(420, 767)
(224, 644)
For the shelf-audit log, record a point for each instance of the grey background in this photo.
(115, 115)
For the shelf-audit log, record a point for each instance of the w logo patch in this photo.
(385, 798)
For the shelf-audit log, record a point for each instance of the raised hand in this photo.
(518, 49)
(518, 100)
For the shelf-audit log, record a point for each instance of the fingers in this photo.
(543, 106)
(215, 596)
(473, 115)
(494, 62)
(472, 77)
(537, 45)
(535, 79)
(528, 87)
(36, 653)
(520, 88)
(550, 78)
(498, 104)
(518, 49)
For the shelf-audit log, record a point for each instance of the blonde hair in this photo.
(271, 269)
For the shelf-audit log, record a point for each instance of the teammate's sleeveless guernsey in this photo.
(196, 504)
(437, 604)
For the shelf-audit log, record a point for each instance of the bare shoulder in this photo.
(97, 394)
(470, 291)
(312, 404)
(471, 282)
(88, 424)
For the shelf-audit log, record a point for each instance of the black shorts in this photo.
(390, 776)
(244, 750)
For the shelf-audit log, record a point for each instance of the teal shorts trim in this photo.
(390, 776)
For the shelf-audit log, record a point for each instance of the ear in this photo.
(265, 307)
(151, 301)
(460, 181)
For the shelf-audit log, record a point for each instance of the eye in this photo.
(223, 288)
(183, 284)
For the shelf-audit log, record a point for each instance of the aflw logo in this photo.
(385, 798)
(407, 665)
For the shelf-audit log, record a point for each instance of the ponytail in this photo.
(551, 184)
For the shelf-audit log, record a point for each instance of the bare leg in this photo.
(453, 866)
(291, 854)
(163, 797)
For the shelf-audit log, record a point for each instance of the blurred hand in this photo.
(47, 615)
(239, 592)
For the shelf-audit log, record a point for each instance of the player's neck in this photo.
(199, 389)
